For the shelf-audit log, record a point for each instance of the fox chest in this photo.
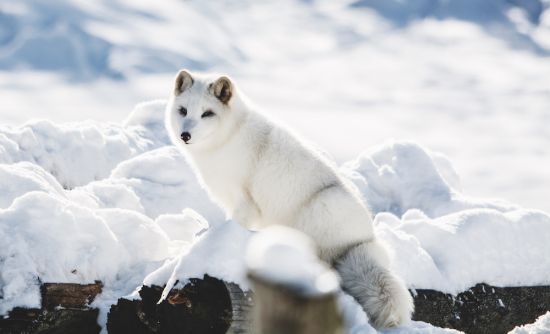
(225, 178)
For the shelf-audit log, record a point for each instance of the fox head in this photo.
(199, 111)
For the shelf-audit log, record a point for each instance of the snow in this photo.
(540, 326)
(440, 237)
(219, 252)
(459, 250)
(401, 176)
(89, 192)
(87, 152)
(138, 215)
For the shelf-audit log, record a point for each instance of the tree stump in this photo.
(280, 310)
(295, 292)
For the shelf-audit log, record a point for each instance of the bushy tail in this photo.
(366, 276)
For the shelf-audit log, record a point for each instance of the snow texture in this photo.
(137, 215)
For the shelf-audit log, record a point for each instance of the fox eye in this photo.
(182, 111)
(208, 113)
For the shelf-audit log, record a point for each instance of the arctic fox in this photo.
(262, 174)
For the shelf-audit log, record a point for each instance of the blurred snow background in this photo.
(467, 78)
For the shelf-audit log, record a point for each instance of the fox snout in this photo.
(185, 136)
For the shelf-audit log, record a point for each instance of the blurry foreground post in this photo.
(295, 293)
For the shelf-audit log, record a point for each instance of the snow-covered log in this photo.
(210, 305)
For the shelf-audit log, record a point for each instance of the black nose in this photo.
(185, 136)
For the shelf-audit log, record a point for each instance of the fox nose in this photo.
(185, 136)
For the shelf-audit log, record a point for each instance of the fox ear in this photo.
(183, 82)
(222, 89)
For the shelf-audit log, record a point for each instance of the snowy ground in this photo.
(74, 195)
(468, 79)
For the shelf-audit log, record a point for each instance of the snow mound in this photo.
(164, 182)
(47, 238)
(454, 252)
(541, 326)
(442, 239)
(93, 201)
(77, 153)
(224, 246)
(400, 176)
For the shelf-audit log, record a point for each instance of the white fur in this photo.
(262, 174)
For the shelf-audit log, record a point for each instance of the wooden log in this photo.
(65, 309)
(20, 320)
(207, 305)
(68, 295)
(482, 309)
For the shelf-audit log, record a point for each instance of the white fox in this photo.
(262, 174)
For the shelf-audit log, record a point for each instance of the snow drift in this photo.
(87, 201)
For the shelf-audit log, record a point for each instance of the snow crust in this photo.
(137, 215)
